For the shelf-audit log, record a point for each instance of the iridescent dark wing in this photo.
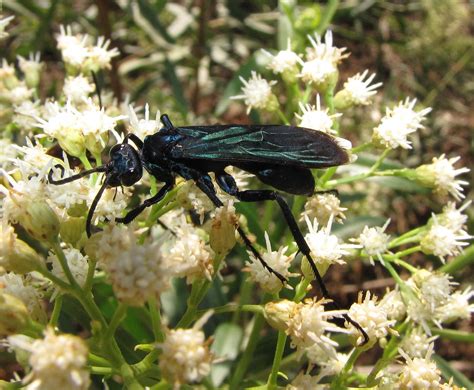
(268, 144)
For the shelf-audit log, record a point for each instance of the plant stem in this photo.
(155, 316)
(282, 116)
(58, 304)
(280, 349)
(64, 265)
(119, 315)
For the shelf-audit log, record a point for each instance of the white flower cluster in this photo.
(4, 23)
(319, 69)
(80, 55)
(397, 124)
(185, 356)
(58, 362)
(277, 260)
(374, 241)
(322, 207)
(446, 235)
(435, 301)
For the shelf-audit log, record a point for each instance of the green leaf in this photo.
(401, 184)
(150, 13)
(449, 372)
(234, 86)
(226, 345)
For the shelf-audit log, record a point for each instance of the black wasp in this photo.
(280, 156)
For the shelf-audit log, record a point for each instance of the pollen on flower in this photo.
(456, 307)
(277, 260)
(318, 71)
(189, 255)
(185, 357)
(453, 218)
(313, 117)
(419, 373)
(257, 93)
(417, 343)
(393, 304)
(310, 325)
(322, 207)
(58, 362)
(371, 316)
(77, 89)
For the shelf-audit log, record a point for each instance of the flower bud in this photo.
(13, 315)
(73, 143)
(222, 234)
(16, 255)
(72, 230)
(343, 100)
(40, 221)
(32, 70)
(278, 314)
(95, 143)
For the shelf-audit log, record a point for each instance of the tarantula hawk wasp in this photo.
(278, 155)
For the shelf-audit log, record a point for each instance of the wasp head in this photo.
(125, 166)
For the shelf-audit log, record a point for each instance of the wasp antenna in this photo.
(94, 204)
(69, 179)
(97, 87)
(166, 122)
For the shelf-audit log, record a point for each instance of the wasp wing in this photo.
(268, 144)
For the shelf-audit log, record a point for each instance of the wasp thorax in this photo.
(126, 165)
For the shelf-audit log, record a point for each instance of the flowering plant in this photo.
(164, 304)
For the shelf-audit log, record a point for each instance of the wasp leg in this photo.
(132, 214)
(204, 183)
(227, 183)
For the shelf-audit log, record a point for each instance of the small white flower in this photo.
(317, 71)
(18, 94)
(31, 68)
(74, 48)
(392, 303)
(313, 117)
(310, 324)
(325, 247)
(188, 256)
(96, 122)
(4, 23)
(371, 316)
(433, 288)
(283, 61)
(257, 93)
(328, 359)
(143, 127)
(441, 241)
(322, 207)
(417, 343)
(419, 373)
(26, 113)
(77, 263)
(359, 91)
(453, 218)
(58, 362)
(277, 260)
(457, 306)
(100, 56)
(17, 286)
(441, 175)
(77, 89)
(136, 272)
(306, 382)
(185, 356)
(374, 240)
(420, 312)
(397, 124)
(325, 49)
